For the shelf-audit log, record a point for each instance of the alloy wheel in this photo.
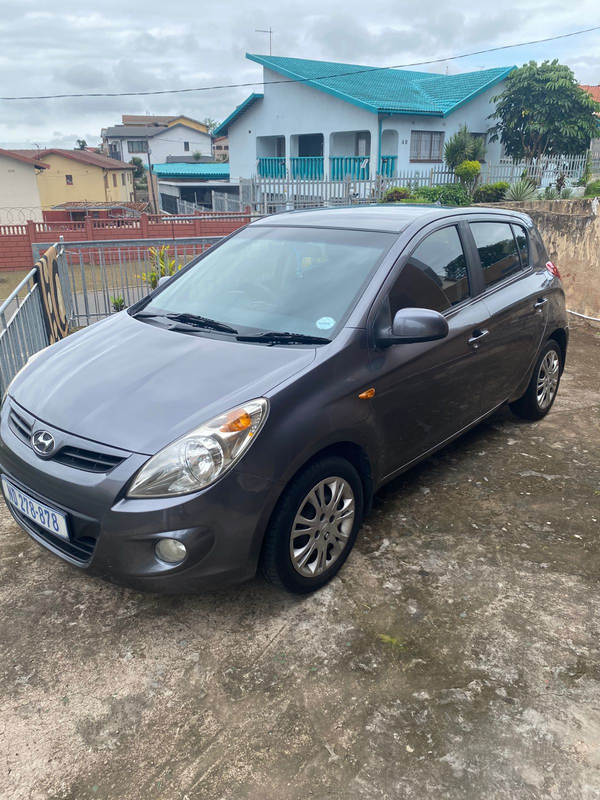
(322, 526)
(547, 381)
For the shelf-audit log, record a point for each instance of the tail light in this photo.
(553, 269)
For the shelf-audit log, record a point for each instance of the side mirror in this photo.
(413, 325)
(163, 280)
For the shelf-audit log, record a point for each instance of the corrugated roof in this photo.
(396, 91)
(134, 130)
(93, 159)
(221, 130)
(18, 155)
(203, 172)
(593, 90)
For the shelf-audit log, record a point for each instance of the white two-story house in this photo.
(164, 138)
(318, 119)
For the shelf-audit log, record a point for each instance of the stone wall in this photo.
(571, 231)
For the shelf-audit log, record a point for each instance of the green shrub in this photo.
(450, 194)
(521, 191)
(467, 173)
(592, 189)
(395, 194)
(550, 193)
(491, 192)
(566, 193)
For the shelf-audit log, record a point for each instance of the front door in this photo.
(427, 392)
(514, 297)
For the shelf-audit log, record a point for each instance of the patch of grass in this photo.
(396, 643)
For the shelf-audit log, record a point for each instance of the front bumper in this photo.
(113, 537)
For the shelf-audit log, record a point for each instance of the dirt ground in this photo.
(456, 655)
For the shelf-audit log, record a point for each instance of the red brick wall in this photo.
(16, 240)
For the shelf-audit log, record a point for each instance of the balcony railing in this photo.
(307, 167)
(387, 167)
(271, 167)
(356, 167)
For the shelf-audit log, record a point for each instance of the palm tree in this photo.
(463, 146)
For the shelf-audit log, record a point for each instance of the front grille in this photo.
(79, 549)
(87, 460)
(20, 426)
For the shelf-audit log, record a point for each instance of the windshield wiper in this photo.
(191, 319)
(283, 337)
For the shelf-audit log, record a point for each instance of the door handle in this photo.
(541, 302)
(477, 335)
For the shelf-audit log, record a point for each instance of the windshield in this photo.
(299, 280)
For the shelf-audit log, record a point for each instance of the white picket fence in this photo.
(267, 195)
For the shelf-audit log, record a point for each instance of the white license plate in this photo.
(46, 517)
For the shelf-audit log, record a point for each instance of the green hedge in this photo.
(592, 189)
(490, 192)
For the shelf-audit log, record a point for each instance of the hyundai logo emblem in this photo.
(43, 443)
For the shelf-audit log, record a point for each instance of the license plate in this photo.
(46, 517)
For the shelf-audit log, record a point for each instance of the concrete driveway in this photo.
(456, 656)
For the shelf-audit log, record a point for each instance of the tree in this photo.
(210, 123)
(544, 112)
(81, 144)
(137, 162)
(463, 146)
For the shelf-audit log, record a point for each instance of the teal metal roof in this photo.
(200, 171)
(248, 102)
(395, 91)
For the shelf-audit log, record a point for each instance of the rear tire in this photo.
(543, 386)
(314, 526)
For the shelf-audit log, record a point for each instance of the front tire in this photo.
(543, 386)
(313, 527)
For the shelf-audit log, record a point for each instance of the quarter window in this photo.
(522, 244)
(426, 145)
(435, 276)
(497, 251)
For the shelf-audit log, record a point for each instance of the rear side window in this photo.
(435, 276)
(497, 250)
(522, 244)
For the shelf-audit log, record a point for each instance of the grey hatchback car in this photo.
(245, 412)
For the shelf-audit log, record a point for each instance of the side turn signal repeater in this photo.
(368, 394)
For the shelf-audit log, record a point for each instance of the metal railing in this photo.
(356, 167)
(22, 328)
(105, 277)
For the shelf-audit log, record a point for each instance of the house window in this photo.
(69, 180)
(114, 178)
(426, 145)
(226, 147)
(218, 147)
(483, 138)
(186, 146)
(123, 178)
(137, 146)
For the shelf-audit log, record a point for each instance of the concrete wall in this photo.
(571, 231)
(289, 109)
(19, 193)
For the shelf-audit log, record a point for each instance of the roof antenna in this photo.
(270, 32)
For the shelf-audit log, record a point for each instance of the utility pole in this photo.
(270, 32)
(151, 182)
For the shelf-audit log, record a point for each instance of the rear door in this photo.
(426, 392)
(514, 294)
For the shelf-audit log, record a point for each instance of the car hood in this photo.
(136, 386)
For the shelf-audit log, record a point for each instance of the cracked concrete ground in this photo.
(456, 655)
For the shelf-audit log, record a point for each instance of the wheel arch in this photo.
(560, 337)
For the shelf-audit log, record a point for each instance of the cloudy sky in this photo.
(66, 46)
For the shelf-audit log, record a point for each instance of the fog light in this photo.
(170, 550)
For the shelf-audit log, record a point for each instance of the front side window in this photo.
(435, 276)
(298, 280)
(426, 145)
(497, 251)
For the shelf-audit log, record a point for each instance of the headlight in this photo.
(202, 455)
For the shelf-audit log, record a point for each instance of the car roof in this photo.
(384, 217)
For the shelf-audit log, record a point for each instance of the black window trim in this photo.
(517, 276)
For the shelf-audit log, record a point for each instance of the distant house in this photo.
(181, 186)
(19, 192)
(221, 148)
(162, 137)
(80, 175)
(318, 118)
